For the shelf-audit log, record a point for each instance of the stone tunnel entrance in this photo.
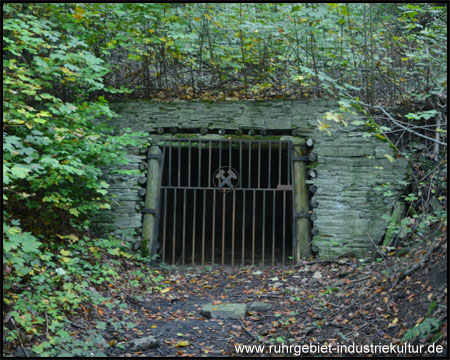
(225, 201)
(345, 211)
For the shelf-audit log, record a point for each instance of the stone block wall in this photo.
(349, 166)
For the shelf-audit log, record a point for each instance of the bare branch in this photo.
(402, 126)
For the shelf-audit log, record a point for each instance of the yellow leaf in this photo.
(333, 116)
(167, 289)
(65, 253)
(323, 126)
(78, 13)
(182, 343)
(208, 16)
(72, 237)
(65, 259)
(389, 157)
(394, 322)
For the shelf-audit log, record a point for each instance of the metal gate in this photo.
(226, 201)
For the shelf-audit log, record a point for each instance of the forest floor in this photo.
(321, 302)
(325, 303)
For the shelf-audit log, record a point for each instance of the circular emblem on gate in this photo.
(226, 178)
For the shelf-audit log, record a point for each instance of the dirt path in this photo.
(320, 303)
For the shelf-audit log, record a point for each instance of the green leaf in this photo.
(74, 212)
(19, 171)
(101, 325)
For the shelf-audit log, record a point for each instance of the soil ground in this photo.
(328, 303)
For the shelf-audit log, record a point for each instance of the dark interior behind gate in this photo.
(226, 201)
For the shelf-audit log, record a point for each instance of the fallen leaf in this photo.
(182, 343)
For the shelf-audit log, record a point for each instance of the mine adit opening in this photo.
(226, 202)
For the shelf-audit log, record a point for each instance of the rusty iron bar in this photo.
(164, 226)
(273, 226)
(253, 227)
(174, 235)
(294, 227)
(183, 246)
(209, 163)
(233, 228)
(179, 163)
(259, 165)
(189, 164)
(243, 228)
(279, 163)
(263, 227)
(203, 227)
(194, 212)
(284, 226)
(213, 237)
(249, 165)
(224, 219)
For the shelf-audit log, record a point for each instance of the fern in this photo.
(426, 327)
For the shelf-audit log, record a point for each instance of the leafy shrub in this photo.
(426, 327)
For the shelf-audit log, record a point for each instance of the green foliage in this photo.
(60, 282)
(64, 62)
(422, 330)
(53, 151)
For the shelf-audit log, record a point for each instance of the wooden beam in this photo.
(149, 224)
(303, 248)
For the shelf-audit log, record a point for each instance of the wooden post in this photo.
(148, 244)
(303, 248)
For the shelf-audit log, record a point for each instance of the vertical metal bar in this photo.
(284, 225)
(263, 226)
(243, 226)
(204, 227)
(269, 186)
(194, 218)
(179, 163)
(220, 153)
(259, 164)
(209, 164)
(223, 228)
(273, 226)
(253, 227)
(229, 155)
(294, 225)
(241, 185)
(199, 163)
(269, 167)
(189, 164)
(170, 162)
(249, 164)
(183, 246)
(279, 163)
(174, 235)
(164, 227)
(289, 171)
(213, 237)
(233, 228)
